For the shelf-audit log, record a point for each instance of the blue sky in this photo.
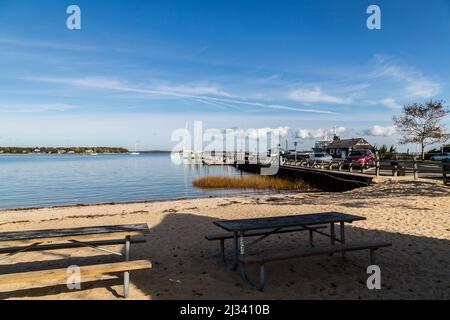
(140, 69)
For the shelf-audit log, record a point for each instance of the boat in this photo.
(135, 153)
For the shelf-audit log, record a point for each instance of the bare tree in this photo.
(421, 123)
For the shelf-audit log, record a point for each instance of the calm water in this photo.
(52, 180)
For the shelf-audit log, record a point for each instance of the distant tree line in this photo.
(72, 150)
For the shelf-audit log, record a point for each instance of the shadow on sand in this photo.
(186, 266)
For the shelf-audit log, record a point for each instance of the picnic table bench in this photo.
(273, 225)
(446, 170)
(229, 236)
(13, 243)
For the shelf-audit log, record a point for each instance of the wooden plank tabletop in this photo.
(287, 221)
(59, 235)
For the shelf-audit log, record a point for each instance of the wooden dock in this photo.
(336, 175)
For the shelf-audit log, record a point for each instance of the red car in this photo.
(361, 157)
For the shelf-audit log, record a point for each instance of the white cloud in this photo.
(316, 95)
(311, 134)
(262, 133)
(319, 133)
(379, 131)
(339, 130)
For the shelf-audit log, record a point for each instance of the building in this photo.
(341, 148)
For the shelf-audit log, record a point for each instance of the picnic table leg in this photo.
(126, 276)
(262, 278)
(333, 235)
(236, 251)
(343, 237)
(242, 243)
(222, 251)
(372, 257)
(311, 238)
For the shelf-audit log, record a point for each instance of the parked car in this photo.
(324, 157)
(361, 157)
(440, 157)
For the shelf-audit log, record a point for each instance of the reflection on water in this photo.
(52, 180)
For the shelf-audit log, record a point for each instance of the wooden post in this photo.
(377, 165)
(340, 166)
(330, 166)
(415, 168)
(445, 170)
(395, 171)
(350, 167)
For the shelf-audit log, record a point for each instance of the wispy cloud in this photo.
(415, 83)
(35, 108)
(390, 103)
(316, 95)
(39, 44)
(205, 94)
(194, 90)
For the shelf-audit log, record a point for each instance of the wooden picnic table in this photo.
(275, 224)
(13, 243)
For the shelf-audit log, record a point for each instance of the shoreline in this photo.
(231, 195)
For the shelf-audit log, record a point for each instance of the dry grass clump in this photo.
(250, 182)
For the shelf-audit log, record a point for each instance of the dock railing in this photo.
(396, 168)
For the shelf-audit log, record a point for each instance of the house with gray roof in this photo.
(341, 148)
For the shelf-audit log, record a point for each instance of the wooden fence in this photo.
(381, 168)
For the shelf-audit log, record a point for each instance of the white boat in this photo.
(135, 153)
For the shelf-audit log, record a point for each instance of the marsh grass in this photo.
(251, 182)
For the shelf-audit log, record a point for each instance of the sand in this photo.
(414, 216)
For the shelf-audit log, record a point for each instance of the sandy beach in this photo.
(414, 216)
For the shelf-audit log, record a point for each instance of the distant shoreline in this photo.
(84, 153)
